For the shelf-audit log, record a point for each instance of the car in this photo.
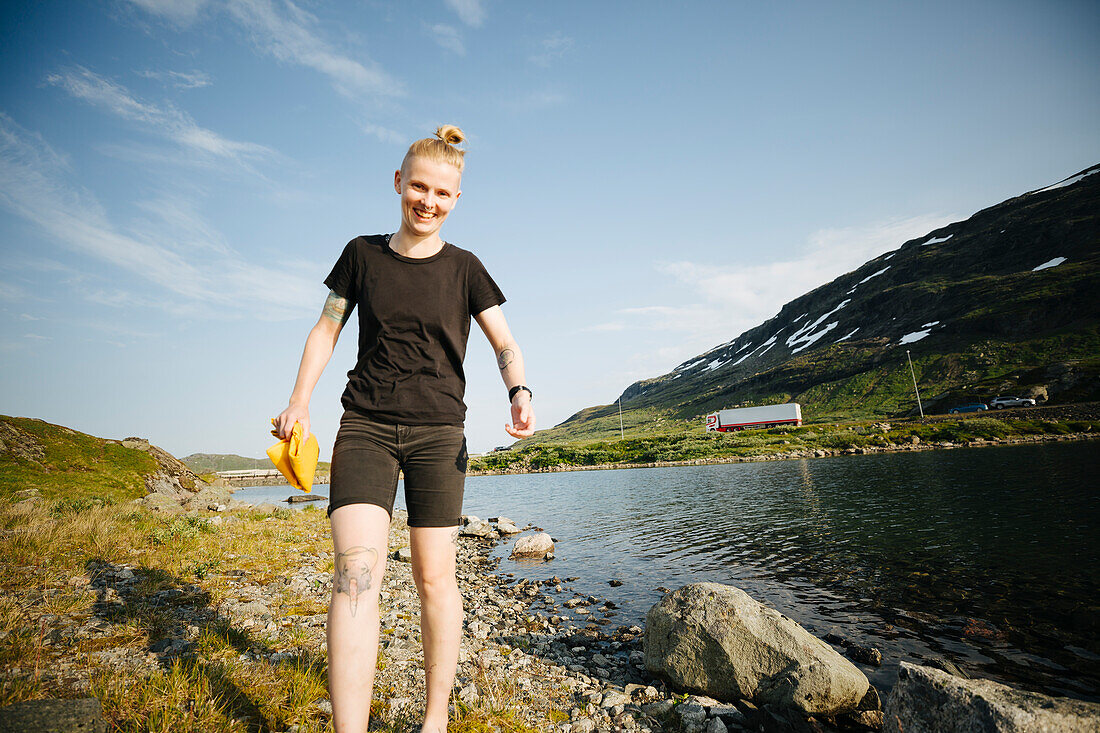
(972, 407)
(1003, 402)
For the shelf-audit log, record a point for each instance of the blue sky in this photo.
(644, 180)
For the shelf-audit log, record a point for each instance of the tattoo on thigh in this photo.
(454, 536)
(354, 572)
(505, 357)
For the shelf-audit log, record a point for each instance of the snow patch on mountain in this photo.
(1067, 182)
(715, 365)
(914, 336)
(842, 338)
(812, 338)
(874, 275)
(1049, 263)
(800, 335)
(937, 240)
(684, 367)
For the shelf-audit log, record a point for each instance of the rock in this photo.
(82, 715)
(865, 654)
(536, 545)
(163, 483)
(927, 699)
(715, 639)
(873, 719)
(209, 499)
(476, 528)
(506, 526)
(716, 726)
(300, 498)
(613, 698)
(402, 554)
(583, 725)
(870, 701)
(162, 503)
(265, 508)
(657, 709)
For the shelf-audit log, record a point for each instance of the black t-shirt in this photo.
(414, 321)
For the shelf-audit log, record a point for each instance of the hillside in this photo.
(212, 462)
(1002, 302)
(59, 462)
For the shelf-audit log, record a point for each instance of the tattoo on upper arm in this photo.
(505, 357)
(336, 307)
(354, 572)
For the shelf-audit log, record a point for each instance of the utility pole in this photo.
(620, 417)
(919, 406)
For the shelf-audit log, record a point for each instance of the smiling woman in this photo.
(404, 412)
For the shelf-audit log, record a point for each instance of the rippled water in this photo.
(984, 556)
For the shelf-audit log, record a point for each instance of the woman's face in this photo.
(428, 191)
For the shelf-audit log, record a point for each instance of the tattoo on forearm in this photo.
(354, 572)
(505, 357)
(336, 307)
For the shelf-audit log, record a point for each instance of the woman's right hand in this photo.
(284, 423)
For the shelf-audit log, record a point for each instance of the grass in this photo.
(693, 444)
(63, 463)
(61, 547)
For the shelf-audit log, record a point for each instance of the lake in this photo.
(987, 557)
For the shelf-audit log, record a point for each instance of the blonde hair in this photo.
(440, 148)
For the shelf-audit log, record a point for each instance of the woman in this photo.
(403, 411)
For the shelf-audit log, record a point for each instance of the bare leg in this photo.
(433, 566)
(360, 533)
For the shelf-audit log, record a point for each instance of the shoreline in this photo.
(799, 455)
(241, 595)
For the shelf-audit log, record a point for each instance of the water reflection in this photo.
(985, 556)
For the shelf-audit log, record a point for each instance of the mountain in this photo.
(212, 462)
(1003, 302)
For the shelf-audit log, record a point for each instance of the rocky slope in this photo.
(1004, 301)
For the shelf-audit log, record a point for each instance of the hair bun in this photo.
(450, 134)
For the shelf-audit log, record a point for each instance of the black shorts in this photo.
(368, 457)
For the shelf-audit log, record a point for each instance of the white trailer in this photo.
(741, 418)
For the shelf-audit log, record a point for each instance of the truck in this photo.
(740, 418)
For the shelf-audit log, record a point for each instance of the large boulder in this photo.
(535, 545)
(210, 498)
(157, 502)
(928, 700)
(716, 640)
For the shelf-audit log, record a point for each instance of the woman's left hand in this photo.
(523, 416)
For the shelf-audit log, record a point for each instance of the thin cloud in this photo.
(289, 38)
(166, 121)
(470, 12)
(178, 12)
(384, 134)
(195, 280)
(550, 49)
(448, 37)
(735, 299)
(179, 79)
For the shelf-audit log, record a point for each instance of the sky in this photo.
(643, 180)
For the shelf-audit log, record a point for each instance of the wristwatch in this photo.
(515, 390)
